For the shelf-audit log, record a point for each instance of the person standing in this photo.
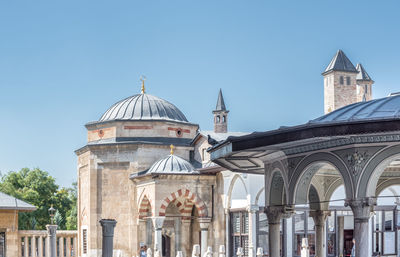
(353, 250)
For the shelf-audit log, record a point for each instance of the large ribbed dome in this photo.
(172, 164)
(143, 107)
(383, 108)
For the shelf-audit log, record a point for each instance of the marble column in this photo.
(252, 210)
(274, 215)
(319, 218)
(362, 209)
(288, 233)
(185, 239)
(227, 229)
(340, 232)
(158, 224)
(204, 224)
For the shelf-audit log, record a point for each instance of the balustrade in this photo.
(35, 243)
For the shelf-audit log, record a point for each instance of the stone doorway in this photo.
(348, 241)
(166, 246)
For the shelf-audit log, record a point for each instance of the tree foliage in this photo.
(38, 188)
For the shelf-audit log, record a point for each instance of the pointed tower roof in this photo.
(220, 102)
(340, 62)
(362, 73)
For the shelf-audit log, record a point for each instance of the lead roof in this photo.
(362, 73)
(340, 62)
(143, 107)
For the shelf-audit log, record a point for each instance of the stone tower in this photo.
(364, 84)
(220, 115)
(340, 85)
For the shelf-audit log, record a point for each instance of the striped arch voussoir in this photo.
(190, 200)
(145, 208)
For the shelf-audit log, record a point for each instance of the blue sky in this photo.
(63, 63)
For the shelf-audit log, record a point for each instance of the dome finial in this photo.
(143, 78)
(172, 149)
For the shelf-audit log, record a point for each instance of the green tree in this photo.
(72, 215)
(38, 188)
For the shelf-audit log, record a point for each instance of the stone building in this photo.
(345, 84)
(147, 166)
(152, 170)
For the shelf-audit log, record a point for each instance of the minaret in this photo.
(340, 86)
(364, 84)
(220, 115)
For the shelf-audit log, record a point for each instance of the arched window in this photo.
(224, 119)
(366, 89)
(348, 81)
(341, 80)
(218, 119)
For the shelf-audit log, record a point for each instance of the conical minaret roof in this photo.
(362, 73)
(220, 102)
(340, 62)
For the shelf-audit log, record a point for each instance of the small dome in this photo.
(172, 164)
(143, 107)
(383, 108)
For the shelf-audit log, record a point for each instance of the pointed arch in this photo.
(145, 208)
(228, 198)
(188, 195)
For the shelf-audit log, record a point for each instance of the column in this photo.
(158, 224)
(227, 235)
(185, 239)
(362, 209)
(204, 224)
(51, 231)
(274, 214)
(252, 209)
(107, 227)
(340, 232)
(288, 233)
(319, 218)
(61, 246)
(177, 227)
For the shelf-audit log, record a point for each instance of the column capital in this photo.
(319, 216)
(362, 208)
(253, 208)
(204, 223)
(158, 222)
(274, 214)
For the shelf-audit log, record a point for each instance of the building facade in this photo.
(146, 166)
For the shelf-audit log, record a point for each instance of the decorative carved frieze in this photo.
(342, 142)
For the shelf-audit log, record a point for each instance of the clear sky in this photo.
(63, 63)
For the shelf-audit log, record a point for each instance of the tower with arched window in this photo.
(220, 115)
